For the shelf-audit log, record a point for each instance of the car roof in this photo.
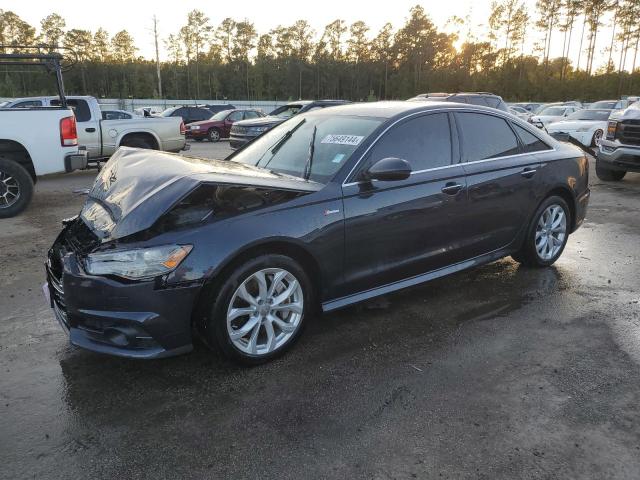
(391, 109)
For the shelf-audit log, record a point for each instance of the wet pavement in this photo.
(498, 372)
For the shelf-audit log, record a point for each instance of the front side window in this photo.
(424, 142)
(485, 137)
(235, 116)
(251, 114)
(530, 142)
(312, 146)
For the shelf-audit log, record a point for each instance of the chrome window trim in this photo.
(440, 110)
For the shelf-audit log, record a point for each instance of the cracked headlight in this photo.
(137, 263)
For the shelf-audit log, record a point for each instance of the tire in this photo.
(16, 188)
(541, 247)
(597, 136)
(221, 321)
(137, 142)
(214, 135)
(608, 175)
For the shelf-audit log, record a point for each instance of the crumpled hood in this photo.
(137, 186)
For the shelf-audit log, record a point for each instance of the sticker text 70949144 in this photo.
(353, 140)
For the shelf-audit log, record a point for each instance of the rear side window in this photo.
(425, 142)
(28, 103)
(486, 136)
(79, 107)
(530, 142)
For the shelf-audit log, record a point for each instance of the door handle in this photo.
(90, 129)
(451, 188)
(528, 172)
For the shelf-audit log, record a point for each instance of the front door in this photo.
(398, 229)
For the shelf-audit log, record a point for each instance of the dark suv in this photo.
(246, 130)
(483, 99)
(195, 113)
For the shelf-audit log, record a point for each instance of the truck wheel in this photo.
(607, 174)
(16, 188)
(214, 135)
(137, 142)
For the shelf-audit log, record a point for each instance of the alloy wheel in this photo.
(214, 135)
(597, 137)
(551, 232)
(265, 311)
(9, 190)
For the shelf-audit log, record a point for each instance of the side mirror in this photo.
(389, 169)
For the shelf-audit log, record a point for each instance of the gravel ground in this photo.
(498, 372)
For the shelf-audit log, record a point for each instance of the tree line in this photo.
(234, 61)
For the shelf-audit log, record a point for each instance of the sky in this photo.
(136, 16)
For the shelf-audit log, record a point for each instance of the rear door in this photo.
(398, 229)
(501, 175)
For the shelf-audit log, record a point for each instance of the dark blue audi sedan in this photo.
(330, 208)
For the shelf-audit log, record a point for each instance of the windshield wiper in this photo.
(312, 149)
(286, 137)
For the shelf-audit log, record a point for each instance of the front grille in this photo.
(238, 130)
(628, 132)
(56, 290)
(80, 237)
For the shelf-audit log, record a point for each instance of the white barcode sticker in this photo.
(352, 140)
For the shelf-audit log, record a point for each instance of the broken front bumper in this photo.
(123, 318)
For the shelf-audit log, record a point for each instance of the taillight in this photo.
(183, 129)
(68, 132)
(611, 130)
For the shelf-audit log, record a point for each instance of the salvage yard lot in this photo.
(496, 372)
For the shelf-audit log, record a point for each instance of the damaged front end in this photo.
(115, 282)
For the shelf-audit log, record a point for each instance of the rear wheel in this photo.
(607, 174)
(137, 141)
(16, 188)
(214, 135)
(547, 235)
(259, 311)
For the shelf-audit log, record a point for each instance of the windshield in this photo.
(220, 115)
(286, 148)
(590, 115)
(553, 111)
(286, 111)
(605, 104)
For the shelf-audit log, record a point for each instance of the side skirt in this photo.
(411, 281)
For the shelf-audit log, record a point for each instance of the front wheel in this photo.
(214, 135)
(260, 309)
(608, 175)
(16, 188)
(547, 235)
(597, 136)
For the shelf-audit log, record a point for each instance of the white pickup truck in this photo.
(34, 142)
(102, 137)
